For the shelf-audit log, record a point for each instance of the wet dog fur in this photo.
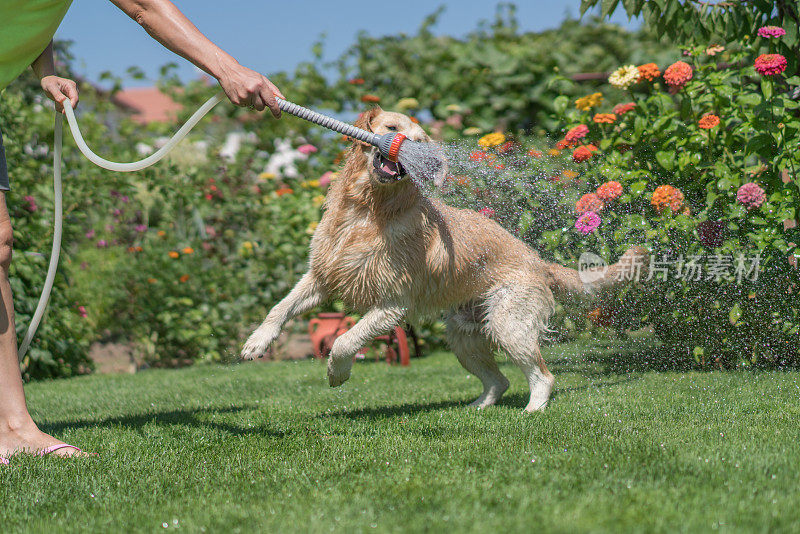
(393, 254)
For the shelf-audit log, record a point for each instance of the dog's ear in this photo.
(365, 119)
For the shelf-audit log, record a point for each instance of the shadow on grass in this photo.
(187, 417)
(385, 412)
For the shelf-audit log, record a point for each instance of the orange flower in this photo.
(184, 278)
(601, 317)
(284, 191)
(609, 191)
(139, 249)
(478, 155)
(678, 74)
(174, 255)
(604, 118)
(534, 153)
(131, 249)
(553, 152)
(708, 121)
(666, 196)
(561, 145)
(151, 280)
(462, 180)
(372, 99)
(589, 202)
(648, 71)
(414, 120)
(581, 154)
(357, 81)
(592, 148)
(569, 175)
(162, 233)
(188, 250)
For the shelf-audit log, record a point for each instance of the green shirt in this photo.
(26, 28)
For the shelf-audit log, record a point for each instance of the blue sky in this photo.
(273, 36)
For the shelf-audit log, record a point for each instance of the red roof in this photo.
(148, 104)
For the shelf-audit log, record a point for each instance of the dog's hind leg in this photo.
(307, 294)
(475, 354)
(516, 319)
(375, 322)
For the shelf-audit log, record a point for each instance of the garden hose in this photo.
(388, 144)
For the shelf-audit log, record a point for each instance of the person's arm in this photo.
(56, 88)
(163, 21)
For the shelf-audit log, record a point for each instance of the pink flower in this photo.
(751, 195)
(141, 228)
(31, 204)
(82, 312)
(770, 32)
(102, 243)
(486, 212)
(622, 109)
(90, 234)
(578, 132)
(770, 64)
(306, 149)
(109, 228)
(588, 222)
(325, 179)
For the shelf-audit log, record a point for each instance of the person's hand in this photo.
(59, 89)
(246, 87)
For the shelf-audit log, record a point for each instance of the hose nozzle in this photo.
(389, 145)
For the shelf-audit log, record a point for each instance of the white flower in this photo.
(624, 77)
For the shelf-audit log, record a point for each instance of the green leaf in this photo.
(666, 159)
(734, 314)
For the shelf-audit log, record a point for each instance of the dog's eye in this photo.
(392, 128)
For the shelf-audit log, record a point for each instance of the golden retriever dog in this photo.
(393, 254)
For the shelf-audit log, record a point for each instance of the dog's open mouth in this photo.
(387, 170)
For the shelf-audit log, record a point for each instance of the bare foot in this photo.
(28, 439)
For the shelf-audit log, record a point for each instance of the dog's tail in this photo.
(572, 284)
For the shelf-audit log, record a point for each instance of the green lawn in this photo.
(270, 447)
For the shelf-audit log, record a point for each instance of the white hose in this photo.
(97, 160)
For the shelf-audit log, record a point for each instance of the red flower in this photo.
(356, 81)
(534, 153)
(622, 109)
(589, 202)
(609, 190)
(678, 74)
(478, 155)
(770, 64)
(486, 212)
(581, 154)
(372, 99)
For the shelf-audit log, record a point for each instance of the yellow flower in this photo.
(312, 227)
(407, 103)
(474, 130)
(267, 176)
(585, 103)
(453, 107)
(248, 245)
(553, 152)
(569, 175)
(318, 200)
(492, 139)
(313, 183)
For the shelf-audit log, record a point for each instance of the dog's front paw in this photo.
(259, 341)
(339, 371)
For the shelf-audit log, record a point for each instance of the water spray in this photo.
(389, 145)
